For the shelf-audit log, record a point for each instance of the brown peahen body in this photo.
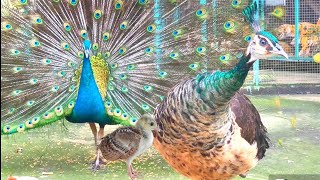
(202, 151)
(210, 131)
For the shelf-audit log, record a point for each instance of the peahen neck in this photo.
(89, 105)
(215, 90)
(224, 84)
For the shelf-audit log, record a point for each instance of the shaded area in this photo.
(292, 121)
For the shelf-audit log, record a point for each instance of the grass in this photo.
(65, 152)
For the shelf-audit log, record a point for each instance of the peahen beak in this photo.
(283, 53)
(279, 50)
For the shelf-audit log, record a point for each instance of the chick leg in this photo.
(131, 172)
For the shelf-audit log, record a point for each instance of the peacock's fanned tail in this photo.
(140, 50)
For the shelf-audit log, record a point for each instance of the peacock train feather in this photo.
(108, 62)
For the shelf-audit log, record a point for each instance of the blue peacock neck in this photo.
(89, 105)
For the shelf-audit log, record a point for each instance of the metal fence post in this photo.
(296, 23)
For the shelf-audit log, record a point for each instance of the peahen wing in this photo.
(141, 48)
(121, 144)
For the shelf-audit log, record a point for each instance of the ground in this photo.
(293, 123)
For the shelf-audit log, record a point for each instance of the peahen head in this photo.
(264, 45)
(87, 48)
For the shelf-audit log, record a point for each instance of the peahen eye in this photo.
(151, 124)
(263, 42)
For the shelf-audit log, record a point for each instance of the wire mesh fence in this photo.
(296, 23)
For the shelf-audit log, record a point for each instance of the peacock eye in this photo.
(263, 42)
(151, 124)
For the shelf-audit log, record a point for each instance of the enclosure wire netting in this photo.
(300, 68)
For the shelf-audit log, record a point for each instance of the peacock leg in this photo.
(100, 133)
(97, 136)
(97, 162)
(94, 132)
(100, 136)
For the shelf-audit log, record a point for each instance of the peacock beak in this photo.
(87, 53)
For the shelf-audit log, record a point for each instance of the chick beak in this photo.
(157, 129)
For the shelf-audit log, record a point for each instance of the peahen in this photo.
(109, 61)
(209, 130)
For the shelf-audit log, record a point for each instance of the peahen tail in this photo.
(140, 49)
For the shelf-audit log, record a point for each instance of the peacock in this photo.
(107, 62)
(209, 130)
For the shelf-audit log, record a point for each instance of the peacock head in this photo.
(87, 48)
(264, 45)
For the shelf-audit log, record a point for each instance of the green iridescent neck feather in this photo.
(224, 84)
